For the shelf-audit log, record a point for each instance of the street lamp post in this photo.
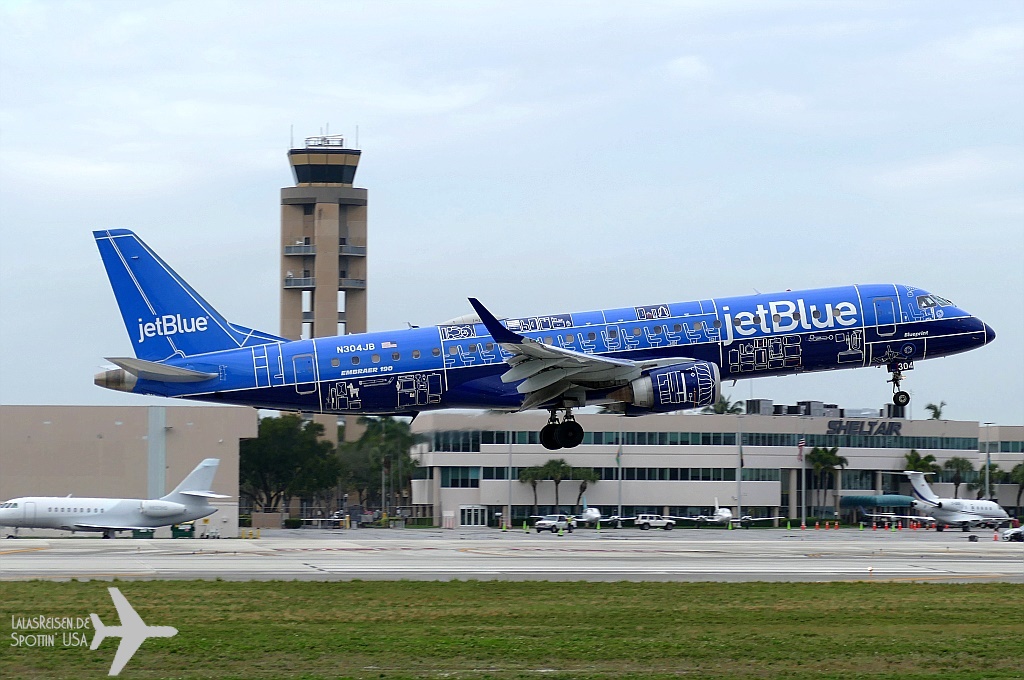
(508, 518)
(988, 458)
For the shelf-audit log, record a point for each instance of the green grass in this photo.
(494, 629)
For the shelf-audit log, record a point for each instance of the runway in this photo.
(487, 554)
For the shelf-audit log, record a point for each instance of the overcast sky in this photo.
(544, 157)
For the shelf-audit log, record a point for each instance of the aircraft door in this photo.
(305, 373)
(885, 316)
(30, 511)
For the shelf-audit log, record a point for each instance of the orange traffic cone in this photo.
(899, 525)
(995, 535)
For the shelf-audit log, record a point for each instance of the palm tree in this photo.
(834, 465)
(915, 462)
(724, 406)
(1017, 477)
(817, 458)
(532, 475)
(586, 476)
(935, 409)
(995, 476)
(557, 470)
(960, 467)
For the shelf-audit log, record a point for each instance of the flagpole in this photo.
(618, 463)
(803, 482)
(739, 471)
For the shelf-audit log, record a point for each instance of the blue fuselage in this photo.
(459, 365)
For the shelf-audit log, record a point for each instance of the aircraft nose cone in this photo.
(990, 334)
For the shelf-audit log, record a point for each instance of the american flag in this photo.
(387, 344)
(800, 448)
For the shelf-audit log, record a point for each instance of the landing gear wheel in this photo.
(569, 434)
(549, 437)
(901, 398)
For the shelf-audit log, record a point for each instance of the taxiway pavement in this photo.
(488, 554)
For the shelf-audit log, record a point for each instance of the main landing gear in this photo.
(899, 397)
(566, 434)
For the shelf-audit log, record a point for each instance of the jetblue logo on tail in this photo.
(171, 324)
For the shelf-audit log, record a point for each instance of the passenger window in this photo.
(436, 351)
(335, 362)
(395, 356)
(676, 328)
(472, 347)
(657, 329)
(375, 358)
(717, 324)
(613, 332)
(636, 331)
(489, 346)
(355, 361)
(591, 336)
(415, 354)
(453, 350)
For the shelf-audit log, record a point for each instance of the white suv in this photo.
(645, 522)
(553, 523)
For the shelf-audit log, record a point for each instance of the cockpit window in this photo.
(929, 301)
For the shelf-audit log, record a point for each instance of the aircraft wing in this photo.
(747, 520)
(886, 515)
(130, 643)
(117, 527)
(548, 371)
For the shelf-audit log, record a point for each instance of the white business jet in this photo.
(189, 501)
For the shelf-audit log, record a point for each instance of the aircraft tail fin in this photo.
(921, 488)
(196, 487)
(101, 631)
(164, 316)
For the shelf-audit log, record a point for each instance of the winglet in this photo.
(500, 334)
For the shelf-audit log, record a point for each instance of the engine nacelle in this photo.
(691, 384)
(161, 509)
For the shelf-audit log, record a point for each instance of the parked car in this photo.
(1016, 535)
(645, 522)
(553, 523)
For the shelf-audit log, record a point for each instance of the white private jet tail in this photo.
(921, 489)
(197, 485)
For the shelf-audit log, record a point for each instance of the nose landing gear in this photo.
(566, 434)
(899, 397)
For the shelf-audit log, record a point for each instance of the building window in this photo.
(460, 477)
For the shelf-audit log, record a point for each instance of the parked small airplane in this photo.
(188, 501)
(133, 631)
(725, 516)
(955, 511)
(653, 358)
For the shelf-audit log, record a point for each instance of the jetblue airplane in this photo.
(647, 359)
(188, 501)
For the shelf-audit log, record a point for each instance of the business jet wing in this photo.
(117, 527)
(747, 519)
(889, 515)
(548, 371)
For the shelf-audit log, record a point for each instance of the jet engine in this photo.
(691, 384)
(161, 508)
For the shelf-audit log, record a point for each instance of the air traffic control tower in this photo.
(323, 246)
(323, 240)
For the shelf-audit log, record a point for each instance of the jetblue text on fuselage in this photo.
(171, 324)
(783, 316)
